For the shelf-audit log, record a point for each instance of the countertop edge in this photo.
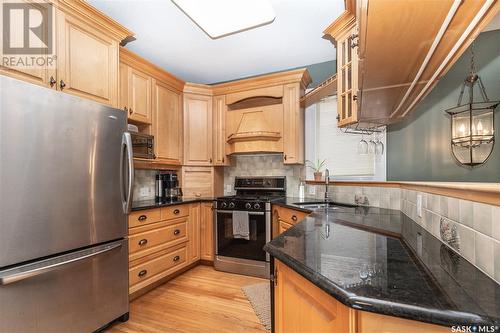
(183, 202)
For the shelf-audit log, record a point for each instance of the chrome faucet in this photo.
(327, 182)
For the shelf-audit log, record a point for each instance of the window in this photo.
(324, 140)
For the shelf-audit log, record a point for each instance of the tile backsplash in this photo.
(263, 165)
(144, 184)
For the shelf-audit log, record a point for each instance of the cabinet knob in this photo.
(176, 211)
(142, 218)
(294, 218)
(354, 97)
(223, 160)
(176, 232)
(125, 109)
(176, 258)
(52, 81)
(284, 157)
(143, 242)
(142, 273)
(210, 160)
(338, 117)
(130, 111)
(354, 44)
(62, 84)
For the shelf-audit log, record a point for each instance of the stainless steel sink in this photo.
(321, 204)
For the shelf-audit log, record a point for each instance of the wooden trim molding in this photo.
(297, 75)
(488, 193)
(87, 12)
(198, 89)
(324, 89)
(342, 24)
(147, 164)
(130, 58)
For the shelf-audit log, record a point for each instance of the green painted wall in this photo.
(418, 148)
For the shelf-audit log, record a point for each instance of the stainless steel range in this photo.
(243, 225)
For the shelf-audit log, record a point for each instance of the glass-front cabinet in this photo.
(347, 77)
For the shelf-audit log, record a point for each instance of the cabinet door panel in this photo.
(293, 125)
(219, 141)
(167, 124)
(207, 231)
(194, 233)
(197, 130)
(87, 61)
(38, 72)
(139, 96)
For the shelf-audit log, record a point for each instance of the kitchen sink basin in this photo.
(322, 204)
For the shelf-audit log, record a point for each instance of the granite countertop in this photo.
(337, 250)
(152, 203)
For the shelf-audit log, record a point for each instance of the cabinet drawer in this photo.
(145, 272)
(172, 212)
(146, 242)
(289, 216)
(143, 217)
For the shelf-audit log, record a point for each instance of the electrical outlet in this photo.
(144, 191)
(229, 188)
(312, 190)
(419, 205)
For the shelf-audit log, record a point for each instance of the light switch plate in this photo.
(144, 191)
(419, 205)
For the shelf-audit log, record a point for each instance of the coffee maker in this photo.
(167, 187)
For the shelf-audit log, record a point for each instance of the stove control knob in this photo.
(223, 205)
(248, 205)
(256, 206)
(231, 205)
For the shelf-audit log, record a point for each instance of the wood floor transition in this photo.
(200, 300)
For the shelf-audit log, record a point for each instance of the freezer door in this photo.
(77, 292)
(63, 172)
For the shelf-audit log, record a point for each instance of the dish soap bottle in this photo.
(302, 189)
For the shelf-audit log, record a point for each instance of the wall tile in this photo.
(433, 202)
(443, 206)
(453, 211)
(465, 212)
(496, 251)
(482, 215)
(495, 220)
(467, 242)
(484, 253)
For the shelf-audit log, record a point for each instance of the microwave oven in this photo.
(143, 145)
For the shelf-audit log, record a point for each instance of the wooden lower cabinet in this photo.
(301, 307)
(194, 230)
(284, 218)
(202, 182)
(207, 231)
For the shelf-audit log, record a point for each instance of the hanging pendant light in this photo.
(472, 123)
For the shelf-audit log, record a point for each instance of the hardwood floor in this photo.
(200, 300)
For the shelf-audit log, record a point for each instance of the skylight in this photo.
(219, 18)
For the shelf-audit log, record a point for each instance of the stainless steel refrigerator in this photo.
(66, 173)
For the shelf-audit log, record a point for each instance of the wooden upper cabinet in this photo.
(87, 60)
(402, 49)
(347, 69)
(167, 123)
(139, 96)
(293, 124)
(219, 131)
(34, 74)
(85, 49)
(197, 129)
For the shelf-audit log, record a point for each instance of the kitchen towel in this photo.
(241, 228)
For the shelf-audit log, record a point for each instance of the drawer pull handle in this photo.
(177, 258)
(143, 242)
(294, 218)
(176, 232)
(176, 211)
(142, 273)
(142, 218)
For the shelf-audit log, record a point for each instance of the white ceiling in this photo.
(168, 38)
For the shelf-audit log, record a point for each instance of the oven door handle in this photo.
(230, 212)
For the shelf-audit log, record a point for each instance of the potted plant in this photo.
(316, 167)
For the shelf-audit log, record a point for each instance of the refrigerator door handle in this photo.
(50, 265)
(127, 159)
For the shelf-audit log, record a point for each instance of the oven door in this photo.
(260, 233)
